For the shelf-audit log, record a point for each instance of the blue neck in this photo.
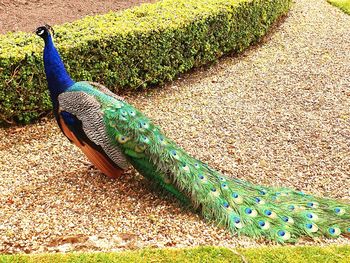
(57, 77)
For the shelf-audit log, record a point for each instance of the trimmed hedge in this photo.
(138, 47)
(344, 5)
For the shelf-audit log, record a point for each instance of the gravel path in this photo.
(277, 115)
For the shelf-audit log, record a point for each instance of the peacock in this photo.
(114, 135)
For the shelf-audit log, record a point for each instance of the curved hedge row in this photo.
(145, 45)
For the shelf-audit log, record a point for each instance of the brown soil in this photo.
(26, 15)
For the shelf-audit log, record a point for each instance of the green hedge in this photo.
(146, 45)
(344, 5)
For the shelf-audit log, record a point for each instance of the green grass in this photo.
(342, 4)
(199, 254)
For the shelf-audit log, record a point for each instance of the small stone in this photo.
(64, 248)
(93, 238)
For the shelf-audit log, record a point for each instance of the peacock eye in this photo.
(281, 233)
(248, 211)
(334, 231)
(308, 226)
(310, 204)
(262, 192)
(122, 139)
(309, 215)
(261, 223)
(145, 139)
(143, 124)
(268, 212)
(226, 204)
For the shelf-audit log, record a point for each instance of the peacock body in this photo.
(114, 134)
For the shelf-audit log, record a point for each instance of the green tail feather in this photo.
(279, 214)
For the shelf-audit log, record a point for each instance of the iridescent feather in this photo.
(279, 214)
(116, 131)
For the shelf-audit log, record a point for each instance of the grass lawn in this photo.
(199, 254)
(342, 4)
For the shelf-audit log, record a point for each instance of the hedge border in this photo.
(135, 48)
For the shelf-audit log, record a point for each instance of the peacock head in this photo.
(44, 31)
